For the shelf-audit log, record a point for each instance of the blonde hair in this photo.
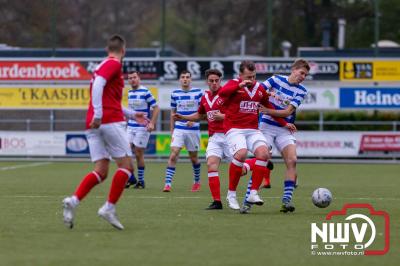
(299, 63)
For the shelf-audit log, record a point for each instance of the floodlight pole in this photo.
(53, 27)
(163, 19)
(269, 28)
(376, 31)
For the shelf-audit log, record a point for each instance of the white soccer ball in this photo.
(321, 197)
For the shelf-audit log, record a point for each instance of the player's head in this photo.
(213, 78)
(185, 78)
(134, 79)
(300, 69)
(116, 45)
(247, 71)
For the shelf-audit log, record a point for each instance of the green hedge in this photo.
(349, 116)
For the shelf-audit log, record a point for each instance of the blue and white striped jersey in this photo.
(284, 94)
(140, 100)
(186, 103)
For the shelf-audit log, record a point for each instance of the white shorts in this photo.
(218, 146)
(278, 136)
(249, 139)
(139, 137)
(188, 138)
(109, 140)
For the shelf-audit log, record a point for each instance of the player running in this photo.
(106, 134)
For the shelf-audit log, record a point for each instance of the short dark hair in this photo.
(247, 65)
(185, 72)
(299, 63)
(116, 43)
(213, 71)
(134, 72)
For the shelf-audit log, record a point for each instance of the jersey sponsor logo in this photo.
(187, 105)
(135, 103)
(210, 115)
(280, 98)
(249, 107)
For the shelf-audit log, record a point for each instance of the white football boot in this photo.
(69, 205)
(232, 200)
(254, 198)
(107, 212)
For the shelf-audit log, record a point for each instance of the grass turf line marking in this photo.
(6, 168)
(177, 197)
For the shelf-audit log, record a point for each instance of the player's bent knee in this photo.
(101, 176)
(212, 166)
(241, 155)
(194, 159)
(173, 158)
(101, 173)
(292, 161)
(126, 171)
(262, 153)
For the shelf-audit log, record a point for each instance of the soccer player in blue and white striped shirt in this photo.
(140, 99)
(286, 95)
(184, 101)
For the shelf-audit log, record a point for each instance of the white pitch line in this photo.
(6, 168)
(178, 197)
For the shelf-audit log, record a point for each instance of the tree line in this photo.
(194, 27)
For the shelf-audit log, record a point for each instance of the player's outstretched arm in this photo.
(228, 89)
(139, 117)
(292, 128)
(195, 117)
(218, 116)
(269, 110)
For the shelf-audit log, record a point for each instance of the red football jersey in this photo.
(209, 104)
(241, 105)
(111, 70)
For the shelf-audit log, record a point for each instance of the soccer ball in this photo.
(321, 197)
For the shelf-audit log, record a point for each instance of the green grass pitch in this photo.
(173, 228)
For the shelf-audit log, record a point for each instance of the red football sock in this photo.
(88, 182)
(259, 170)
(267, 177)
(118, 184)
(251, 162)
(235, 171)
(213, 182)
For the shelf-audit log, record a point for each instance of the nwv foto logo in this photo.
(358, 232)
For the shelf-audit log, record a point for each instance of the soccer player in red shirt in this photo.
(217, 147)
(106, 135)
(241, 100)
